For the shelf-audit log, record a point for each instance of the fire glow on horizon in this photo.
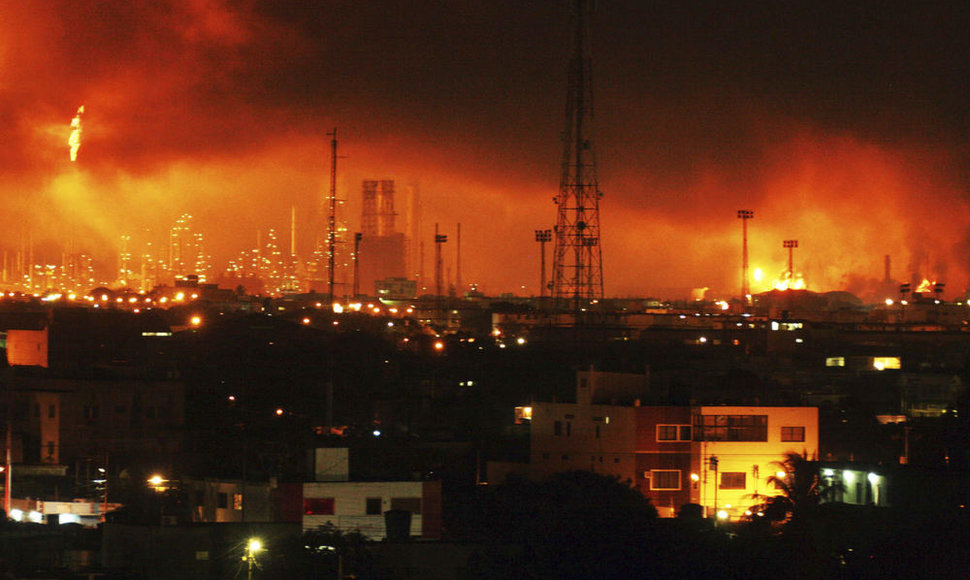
(215, 109)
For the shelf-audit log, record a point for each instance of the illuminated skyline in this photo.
(843, 127)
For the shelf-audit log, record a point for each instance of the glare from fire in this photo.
(75, 139)
(759, 275)
(926, 285)
(789, 282)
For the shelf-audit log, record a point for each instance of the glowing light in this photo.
(722, 515)
(723, 305)
(254, 545)
(338, 308)
(180, 297)
(195, 320)
(377, 432)
(17, 515)
(758, 275)
(925, 286)
(75, 139)
(279, 412)
(306, 321)
(889, 302)
(873, 478)
(828, 473)
(848, 476)
(520, 341)
(694, 477)
(781, 475)
(789, 282)
(438, 345)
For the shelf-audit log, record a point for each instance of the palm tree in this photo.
(801, 490)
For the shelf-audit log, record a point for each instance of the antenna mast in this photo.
(332, 219)
(577, 263)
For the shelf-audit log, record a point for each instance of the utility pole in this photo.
(744, 215)
(713, 460)
(577, 278)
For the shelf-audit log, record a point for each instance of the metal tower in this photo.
(577, 277)
(332, 218)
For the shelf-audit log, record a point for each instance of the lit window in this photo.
(523, 415)
(835, 361)
(237, 501)
(881, 363)
(317, 506)
(661, 479)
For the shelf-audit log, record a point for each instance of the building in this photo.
(382, 250)
(361, 505)
(720, 457)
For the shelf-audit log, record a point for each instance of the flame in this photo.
(75, 139)
(789, 282)
(926, 285)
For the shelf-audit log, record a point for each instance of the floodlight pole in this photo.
(744, 215)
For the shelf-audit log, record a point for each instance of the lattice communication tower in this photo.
(577, 263)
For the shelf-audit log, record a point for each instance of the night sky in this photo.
(843, 126)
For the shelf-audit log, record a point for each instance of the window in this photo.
(569, 428)
(411, 504)
(665, 479)
(673, 432)
(51, 411)
(731, 427)
(597, 431)
(318, 506)
(792, 433)
(373, 506)
(881, 363)
(557, 427)
(237, 499)
(732, 480)
(223, 500)
(835, 361)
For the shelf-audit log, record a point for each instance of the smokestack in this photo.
(887, 262)
(458, 283)
(292, 230)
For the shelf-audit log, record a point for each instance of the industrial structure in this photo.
(577, 263)
(382, 247)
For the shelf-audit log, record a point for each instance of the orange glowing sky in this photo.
(844, 128)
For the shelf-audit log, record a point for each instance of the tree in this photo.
(801, 488)
(578, 524)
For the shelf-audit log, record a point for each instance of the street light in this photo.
(253, 546)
